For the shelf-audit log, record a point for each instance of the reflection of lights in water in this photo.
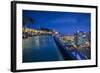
(37, 41)
(27, 43)
(43, 49)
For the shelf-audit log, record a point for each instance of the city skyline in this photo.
(62, 22)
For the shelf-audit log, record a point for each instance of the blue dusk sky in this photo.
(63, 22)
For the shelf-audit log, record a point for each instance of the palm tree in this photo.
(27, 21)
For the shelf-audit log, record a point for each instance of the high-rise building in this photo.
(81, 38)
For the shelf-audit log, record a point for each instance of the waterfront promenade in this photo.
(42, 48)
